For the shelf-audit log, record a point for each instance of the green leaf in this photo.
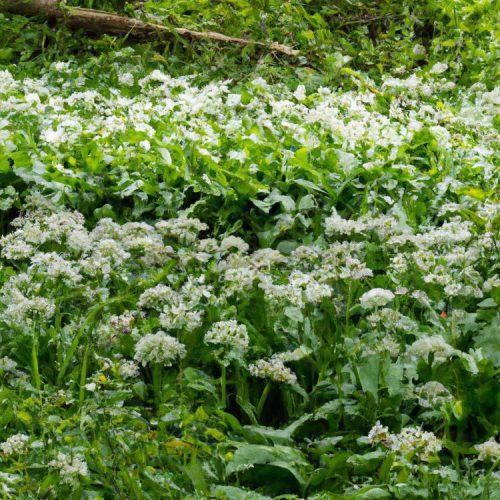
(290, 459)
(369, 370)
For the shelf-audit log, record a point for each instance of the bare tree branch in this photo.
(98, 21)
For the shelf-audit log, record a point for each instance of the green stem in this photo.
(83, 374)
(57, 334)
(223, 395)
(262, 400)
(494, 466)
(157, 376)
(348, 308)
(34, 360)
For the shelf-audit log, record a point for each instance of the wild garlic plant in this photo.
(203, 287)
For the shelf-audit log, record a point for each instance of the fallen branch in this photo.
(97, 21)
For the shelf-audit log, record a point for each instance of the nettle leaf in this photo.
(282, 457)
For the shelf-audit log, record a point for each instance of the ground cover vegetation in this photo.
(230, 274)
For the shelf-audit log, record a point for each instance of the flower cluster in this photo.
(15, 445)
(411, 441)
(229, 334)
(377, 297)
(489, 450)
(158, 348)
(433, 394)
(433, 344)
(72, 468)
(349, 232)
(273, 369)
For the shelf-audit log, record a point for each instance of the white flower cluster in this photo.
(301, 289)
(159, 348)
(273, 369)
(122, 323)
(386, 344)
(233, 242)
(433, 394)
(229, 334)
(7, 364)
(295, 355)
(178, 309)
(22, 309)
(15, 445)
(391, 319)
(71, 468)
(489, 450)
(379, 434)
(184, 228)
(128, 369)
(415, 441)
(351, 120)
(411, 441)
(434, 344)
(376, 297)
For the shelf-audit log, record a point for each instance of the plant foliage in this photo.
(227, 274)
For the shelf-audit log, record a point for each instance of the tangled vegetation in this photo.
(224, 274)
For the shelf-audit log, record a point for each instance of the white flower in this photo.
(91, 387)
(238, 155)
(146, 145)
(300, 93)
(126, 79)
(489, 450)
(266, 257)
(433, 394)
(234, 242)
(229, 334)
(419, 50)
(15, 445)
(273, 369)
(432, 344)
(439, 68)
(295, 355)
(413, 440)
(376, 297)
(389, 345)
(54, 266)
(7, 364)
(378, 434)
(70, 468)
(178, 315)
(184, 228)
(128, 369)
(336, 224)
(233, 100)
(61, 67)
(314, 292)
(159, 348)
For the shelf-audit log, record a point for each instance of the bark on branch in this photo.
(97, 21)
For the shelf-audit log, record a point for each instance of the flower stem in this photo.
(347, 308)
(34, 360)
(83, 375)
(157, 376)
(223, 392)
(263, 398)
